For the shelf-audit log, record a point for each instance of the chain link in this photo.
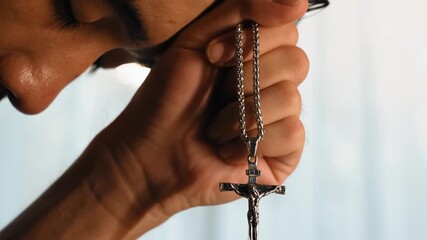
(256, 84)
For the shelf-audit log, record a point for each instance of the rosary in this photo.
(252, 190)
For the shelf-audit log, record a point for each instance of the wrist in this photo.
(121, 184)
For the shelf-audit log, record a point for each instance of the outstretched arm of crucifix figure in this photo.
(253, 193)
(240, 189)
(274, 189)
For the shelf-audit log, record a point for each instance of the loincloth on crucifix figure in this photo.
(253, 192)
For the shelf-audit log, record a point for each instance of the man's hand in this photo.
(179, 137)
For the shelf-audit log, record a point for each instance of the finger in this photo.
(282, 138)
(278, 101)
(226, 16)
(277, 169)
(221, 51)
(288, 63)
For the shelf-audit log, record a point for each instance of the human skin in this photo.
(178, 138)
(34, 50)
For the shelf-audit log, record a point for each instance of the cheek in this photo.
(163, 19)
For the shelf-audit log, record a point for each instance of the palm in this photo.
(177, 97)
(209, 170)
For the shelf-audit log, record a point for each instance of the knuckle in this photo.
(298, 61)
(292, 33)
(301, 62)
(272, 14)
(295, 131)
(287, 94)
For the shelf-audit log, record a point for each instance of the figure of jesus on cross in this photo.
(253, 192)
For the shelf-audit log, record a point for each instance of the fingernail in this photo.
(220, 52)
(287, 2)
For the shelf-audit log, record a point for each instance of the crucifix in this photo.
(251, 190)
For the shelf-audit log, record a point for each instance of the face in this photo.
(45, 44)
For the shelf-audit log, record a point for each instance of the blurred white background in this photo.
(363, 174)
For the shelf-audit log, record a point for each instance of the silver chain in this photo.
(256, 84)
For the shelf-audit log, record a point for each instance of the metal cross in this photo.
(252, 191)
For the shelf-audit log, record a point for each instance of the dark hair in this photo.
(2, 93)
(317, 4)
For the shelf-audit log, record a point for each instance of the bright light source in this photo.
(132, 74)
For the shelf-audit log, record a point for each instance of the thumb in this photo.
(227, 15)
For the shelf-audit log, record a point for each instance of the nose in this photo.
(37, 75)
(32, 86)
(38, 62)
(18, 75)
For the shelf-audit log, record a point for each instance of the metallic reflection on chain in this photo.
(252, 191)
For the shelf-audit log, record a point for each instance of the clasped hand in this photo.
(179, 136)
